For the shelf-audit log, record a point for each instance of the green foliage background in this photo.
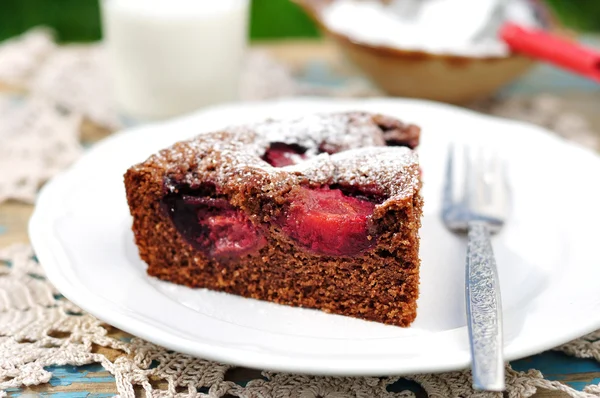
(78, 20)
(580, 14)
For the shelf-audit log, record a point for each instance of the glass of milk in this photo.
(171, 57)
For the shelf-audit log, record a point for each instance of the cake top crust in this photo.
(344, 149)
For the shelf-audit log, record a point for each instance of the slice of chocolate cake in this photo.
(320, 212)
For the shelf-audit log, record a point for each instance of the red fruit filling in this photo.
(280, 154)
(229, 232)
(213, 226)
(325, 221)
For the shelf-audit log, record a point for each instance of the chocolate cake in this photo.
(319, 212)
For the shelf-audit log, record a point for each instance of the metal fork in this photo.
(480, 209)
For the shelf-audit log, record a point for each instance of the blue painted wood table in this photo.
(578, 95)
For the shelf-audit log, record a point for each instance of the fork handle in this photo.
(484, 310)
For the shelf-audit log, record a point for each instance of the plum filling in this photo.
(280, 154)
(213, 226)
(326, 222)
(323, 221)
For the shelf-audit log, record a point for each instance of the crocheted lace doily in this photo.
(39, 328)
(59, 90)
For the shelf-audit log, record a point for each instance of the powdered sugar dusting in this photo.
(459, 27)
(394, 169)
(231, 158)
(341, 131)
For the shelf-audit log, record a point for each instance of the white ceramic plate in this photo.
(548, 256)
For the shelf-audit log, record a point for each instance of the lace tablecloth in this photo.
(50, 94)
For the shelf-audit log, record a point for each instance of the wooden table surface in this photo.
(311, 60)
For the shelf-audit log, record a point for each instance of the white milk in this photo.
(170, 57)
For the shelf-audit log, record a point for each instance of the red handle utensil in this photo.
(550, 48)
